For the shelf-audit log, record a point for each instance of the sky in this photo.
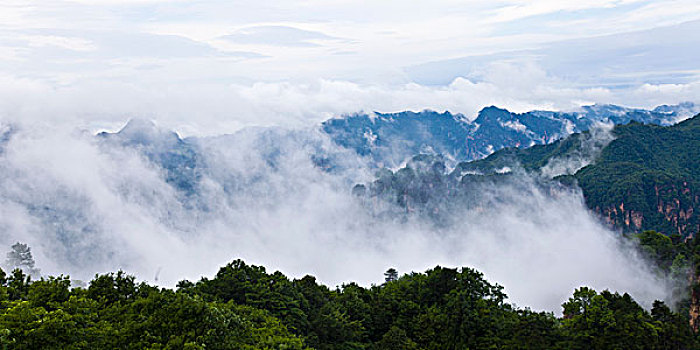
(210, 67)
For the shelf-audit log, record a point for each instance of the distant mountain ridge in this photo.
(390, 139)
(254, 153)
(382, 140)
(178, 158)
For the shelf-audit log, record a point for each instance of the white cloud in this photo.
(514, 10)
(71, 43)
(215, 108)
(277, 36)
(384, 36)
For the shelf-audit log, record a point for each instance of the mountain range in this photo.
(634, 176)
(269, 163)
(389, 139)
(380, 139)
(638, 175)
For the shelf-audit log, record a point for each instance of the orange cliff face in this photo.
(674, 208)
(694, 311)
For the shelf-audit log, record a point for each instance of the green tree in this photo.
(18, 285)
(391, 275)
(396, 339)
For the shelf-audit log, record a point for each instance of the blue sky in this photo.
(208, 66)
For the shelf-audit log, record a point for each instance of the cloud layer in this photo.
(214, 108)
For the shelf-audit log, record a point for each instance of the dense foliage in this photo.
(244, 307)
(679, 260)
(115, 312)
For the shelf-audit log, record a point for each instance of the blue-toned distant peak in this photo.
(140, 126)
(680, 111)
(492, 113)
(661, 115)
(163, 147)
(681, 107)
(426, 113)
(390, 138)
(138, 131)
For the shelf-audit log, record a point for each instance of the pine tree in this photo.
(20, 257)
(391, 275)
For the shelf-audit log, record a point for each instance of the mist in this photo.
(591, 144)
(90, 204)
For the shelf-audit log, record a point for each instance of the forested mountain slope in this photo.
(648, 178)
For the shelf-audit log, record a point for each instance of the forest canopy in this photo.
(245, 307)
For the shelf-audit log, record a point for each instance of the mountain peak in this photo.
(143, 131)
(492, 108)
(139, 126)
(490, 114)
